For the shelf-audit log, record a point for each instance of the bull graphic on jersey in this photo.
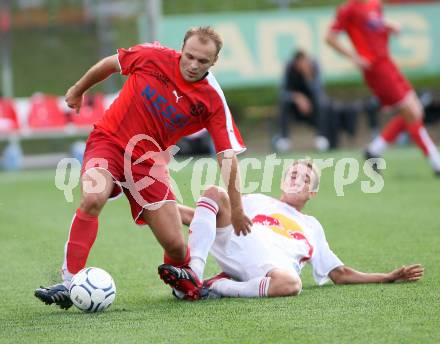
(285, 226)
(279, 224)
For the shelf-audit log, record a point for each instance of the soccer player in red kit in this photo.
(369, 33)
(167, 95)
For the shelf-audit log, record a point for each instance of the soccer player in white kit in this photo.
(268, 261)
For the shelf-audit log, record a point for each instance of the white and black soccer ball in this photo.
(92, 290)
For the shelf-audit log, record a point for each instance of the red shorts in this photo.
(102, 152)
(387, 82)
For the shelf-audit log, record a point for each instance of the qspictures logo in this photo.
(204, 172)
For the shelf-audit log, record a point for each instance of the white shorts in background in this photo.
(246, 257)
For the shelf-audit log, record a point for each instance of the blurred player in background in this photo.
(167, 95)
(269, 260)
(365, 25)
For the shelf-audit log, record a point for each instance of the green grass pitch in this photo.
(370, 232)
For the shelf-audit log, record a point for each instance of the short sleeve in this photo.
(323, 260)
(340, 22)
(220, 124)
(225, 138)
(135, 57)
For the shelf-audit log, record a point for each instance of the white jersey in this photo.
(281, 237)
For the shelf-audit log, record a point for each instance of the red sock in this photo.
(81, 238)
(168, 260)
(415, 130)
(393, 128)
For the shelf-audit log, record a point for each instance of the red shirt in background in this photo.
(364, 24)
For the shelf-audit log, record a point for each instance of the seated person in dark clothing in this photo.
(301, 96)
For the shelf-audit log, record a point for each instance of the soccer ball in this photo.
(92, 290)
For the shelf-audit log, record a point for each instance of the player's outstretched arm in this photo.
(95, 74)
(231, 177)
(347, 275)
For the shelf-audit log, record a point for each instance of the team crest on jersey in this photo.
(198, 109)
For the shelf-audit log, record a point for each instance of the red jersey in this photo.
(364, 23)
(155, 100)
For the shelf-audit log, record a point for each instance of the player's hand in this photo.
(241, 223)
(361, 62)
(393, 27)
(410, 273)
(74, 98)
(303, 103)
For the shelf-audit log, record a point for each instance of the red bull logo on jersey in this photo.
(158, 105)
(287, 227)
(279, 224)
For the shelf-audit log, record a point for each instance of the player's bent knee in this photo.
(284, 284)
(92, 203)
(291, 286)
(216, 193)
(291, 289)
(295, 288)
(412, 110)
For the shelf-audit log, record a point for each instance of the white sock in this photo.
(67, 277)
(197, 265)
(377, 146)
(65, 274)
(257, 287)
(67, 283)
(433, 154)
(202, 234)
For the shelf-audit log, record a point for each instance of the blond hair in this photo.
(205, 34)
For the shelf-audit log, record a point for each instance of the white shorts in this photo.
(246, 257)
